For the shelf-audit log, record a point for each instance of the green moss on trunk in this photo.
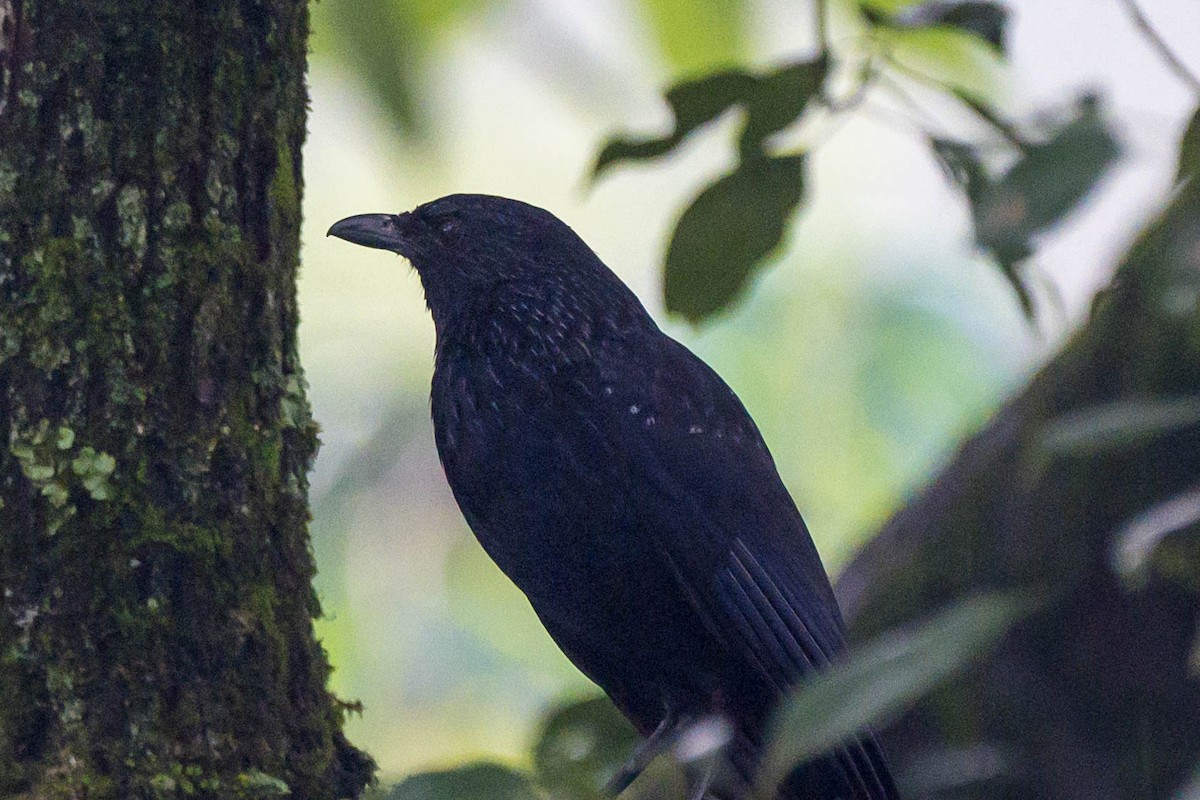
(156, 637)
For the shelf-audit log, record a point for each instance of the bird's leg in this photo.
(658, 741)
(700, 790)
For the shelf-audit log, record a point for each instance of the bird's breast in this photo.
(519, 457)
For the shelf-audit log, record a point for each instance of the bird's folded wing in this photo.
(766, 621)
(737, 545)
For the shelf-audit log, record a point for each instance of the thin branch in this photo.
(1001, 126)
(821, 19)
(1006, 131)
(923, 120)
(866, 74)
(1174, 63)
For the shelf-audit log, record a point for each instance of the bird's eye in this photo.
(448, 225)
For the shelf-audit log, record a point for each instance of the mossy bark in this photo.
(1091, 698)
(156, 637)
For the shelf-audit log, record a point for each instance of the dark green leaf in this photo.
(772, 101)
(699, 101)
(1189, 150)
(962, 166)
(580, 747)
(472, 782)
(985, 20)
(778, 99)
(620, 149)
(723, 237)
(693, 103)
(1047, 182)
(881, 679)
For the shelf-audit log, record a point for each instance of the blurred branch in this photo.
(1174, 63)
(821, 17)
(1006, 131)
(986, 522)
(919, 117)
(866, 77)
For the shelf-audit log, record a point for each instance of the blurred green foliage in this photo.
(471, 782)
(881, 680)
(698, 34)
(942, 45)
(580, 747)
(727, 230)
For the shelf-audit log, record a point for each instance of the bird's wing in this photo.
(731, 534)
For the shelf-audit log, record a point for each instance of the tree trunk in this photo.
(1092, 697)
(156, 637)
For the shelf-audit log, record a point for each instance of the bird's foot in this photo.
(659, 741)
(695, 744)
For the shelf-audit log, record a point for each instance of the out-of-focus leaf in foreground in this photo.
(693, 104)
(777, 99)
(727, 232)
(580, 747)
(483, 781)
(1143, 540)
(1123, 423)
(881, 679)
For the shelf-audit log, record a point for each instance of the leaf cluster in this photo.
(1019, 181)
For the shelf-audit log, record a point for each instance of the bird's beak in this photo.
(381, 231)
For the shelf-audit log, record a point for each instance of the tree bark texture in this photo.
(156, 637)
(1092, 696)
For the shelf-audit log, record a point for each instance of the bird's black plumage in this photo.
(617, 480)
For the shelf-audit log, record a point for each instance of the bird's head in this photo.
(479, 255)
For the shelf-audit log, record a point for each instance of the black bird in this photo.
(617, 480)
